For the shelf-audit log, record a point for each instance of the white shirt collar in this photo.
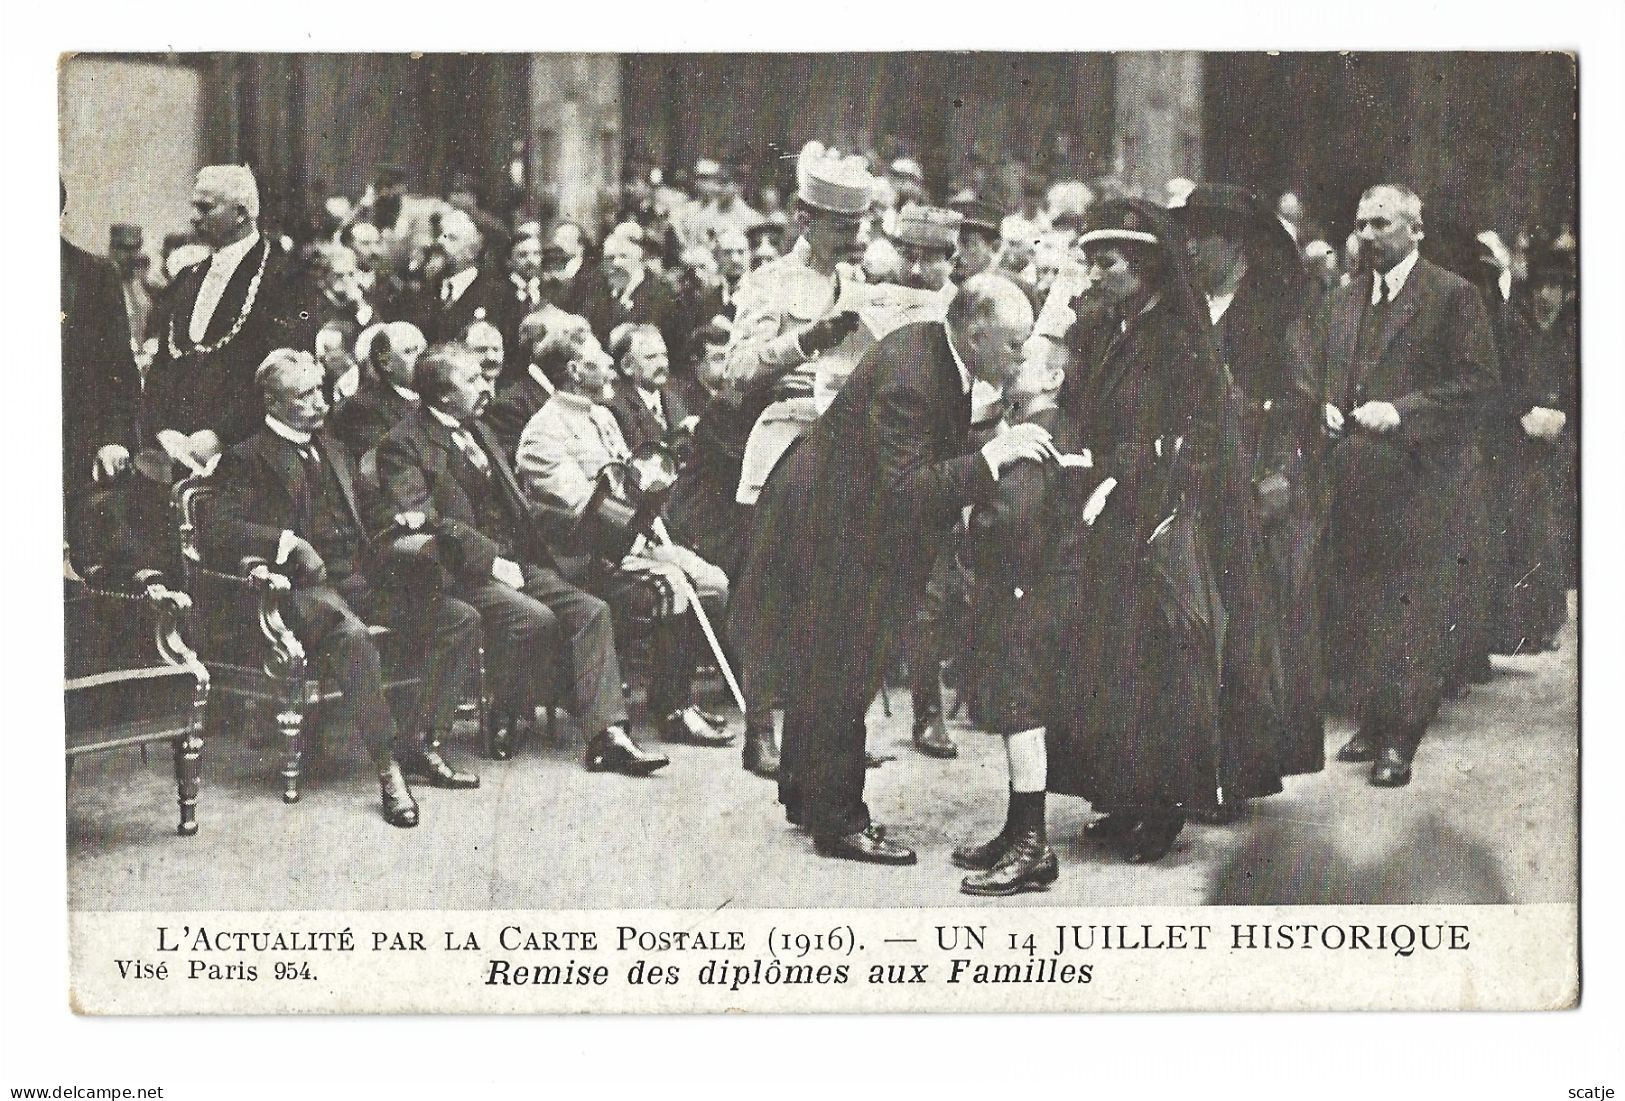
(409, 395)
(444, 417)
(460, 281)
(541, 378)
(1394, 279)
(651, 398)
(632, 285)
(964, 372)
(292, 435)
(1218, 303)
(229, 256)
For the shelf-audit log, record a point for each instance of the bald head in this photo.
(395, 350)
(990, 319)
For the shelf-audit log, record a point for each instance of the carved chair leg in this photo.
(188, 778)
(290, 721)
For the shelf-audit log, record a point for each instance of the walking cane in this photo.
(658, 530)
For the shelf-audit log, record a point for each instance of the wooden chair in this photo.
(251, 651)
(132, 680)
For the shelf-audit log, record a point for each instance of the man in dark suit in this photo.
(1397, 365)
(646, 406)
(464, 292)
(222, 318)
(440, 461)
(288, 495)
(623, 291)
(386, 393)
(524, 397)
(524, 294)
(846, 533)
(101, 391)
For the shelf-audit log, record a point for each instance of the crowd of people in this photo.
(1158, 484)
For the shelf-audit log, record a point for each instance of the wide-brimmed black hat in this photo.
(1234, 211)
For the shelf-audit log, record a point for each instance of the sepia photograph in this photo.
(593, 481)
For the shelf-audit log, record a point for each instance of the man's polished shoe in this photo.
(1028, 865)
(431, 766)
(983, 857)
(761, 756)
(400, 809)
(931, 737)
(1358, 749)
(1391, 769)
(870, 846)
(716, 719)
(504, 737)
(615, 751)
(689, 726)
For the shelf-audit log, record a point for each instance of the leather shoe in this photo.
(1391, 769)
(870, 846)
(983, 857)
(400, 809)
(689, 726)
(431, 766)
(931, 737)
(1151, 838)
(504, 737)
(1029, 865)
(716, 719)
(1362, 747)
(615, 751)
(1109, 829)
(875, 760)
(761, 756)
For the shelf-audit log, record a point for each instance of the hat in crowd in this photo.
(1234, 211)
(233, 182)
(927, 226)
(123, 235)
(1116, 222)
(827, 181)
(979, 214)
(908, 168)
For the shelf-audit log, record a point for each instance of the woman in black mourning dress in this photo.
(1173, 706)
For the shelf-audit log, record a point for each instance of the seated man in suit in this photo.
(507, 416)
(647, 407)
(485, 340)
(440, 461)
(561, 453)
(287, 494)
(386, 394)
(624, 290)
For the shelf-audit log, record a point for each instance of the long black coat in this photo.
(101, 391)
(1178, 682)
(198, 389)
(1392, 497)
(1257, 340)
(851, 519)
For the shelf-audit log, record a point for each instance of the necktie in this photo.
(446, 292)
(533, 292)
(471, 450)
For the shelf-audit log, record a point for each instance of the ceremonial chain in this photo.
(242, 317)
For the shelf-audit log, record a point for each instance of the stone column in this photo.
(575, 133)
(1159, 118)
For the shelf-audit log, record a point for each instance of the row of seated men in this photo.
(425, 448)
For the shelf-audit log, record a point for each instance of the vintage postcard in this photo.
(820, 532)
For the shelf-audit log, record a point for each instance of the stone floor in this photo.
(1494, 798)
